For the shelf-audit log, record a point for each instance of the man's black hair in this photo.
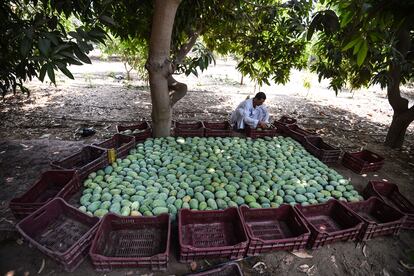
(260, 95)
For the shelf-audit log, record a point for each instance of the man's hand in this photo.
(261, 124)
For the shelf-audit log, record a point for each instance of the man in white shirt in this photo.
(251, 112)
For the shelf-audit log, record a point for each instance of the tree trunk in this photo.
(159, 66)
(398, 128)
(403, 115)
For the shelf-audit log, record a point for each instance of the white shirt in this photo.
(245, 113)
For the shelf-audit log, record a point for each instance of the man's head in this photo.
(259, 98)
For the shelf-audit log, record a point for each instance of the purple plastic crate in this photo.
(362, 161)
(379, 218)
(89, 159)
(142, 130)
(121, 143)
(330, 222)
(390, 193)
(60, 231)
(255, 133)
(211, 234)
(217, 129)
(272, 229)
(131, 242)
(188, 129)
(50, 185)
(321, 150)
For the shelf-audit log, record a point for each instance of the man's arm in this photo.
(243, 112)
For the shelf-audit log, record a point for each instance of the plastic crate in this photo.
(231, 269)
(217, 129)
(121, 143)
(60, 231)
(287, 120)
(211, 234)
(390, 193)
(379, 218)
(143, 128)
(299, 134)
(50, 185)
(130, 242)
(254, 133)
(324, 152)
(274, 229)
(330, 222)
(188, 129)
(89, 159)
(362, 161)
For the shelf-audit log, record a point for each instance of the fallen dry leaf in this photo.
(41, 267)
(302, 254)
(407, 266)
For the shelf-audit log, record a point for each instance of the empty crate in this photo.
(299, 134)
(330, 222)
(321, 150)
(189, 129)
(60, 231)
(260, 133)
(130, 242)
(50, 185)
(379, 218)
(217, 129)
(87, 160)
(274, 229)
(211, 234)
(362, 161)
(390, 193)
(140, 131)
(121, 143)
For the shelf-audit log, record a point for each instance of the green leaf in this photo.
(44, 46)
(82, 55)
(51, 73)
(351, 44)
(42, 72)
(52, 37)
(346, 18)
(362, 53)
(66, 72)
(357, 46)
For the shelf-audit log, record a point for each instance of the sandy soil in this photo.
(42, 128)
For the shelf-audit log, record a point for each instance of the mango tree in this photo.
(368, 42)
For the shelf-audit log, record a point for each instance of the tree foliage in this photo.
(359, 47)
(34, 41)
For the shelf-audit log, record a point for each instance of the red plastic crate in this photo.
(144, 127)
(50, 185)
(254, 133)
(188, 129)
(211, 234)
(217, 129)
(379, 218)
(324, 152)
(89, 159)
(231, 269)
(362, 161)
(121, 143)
(274, 229)
(60, 231)
(123, 242)
(390, 193)
(299, 134)
(330, 222)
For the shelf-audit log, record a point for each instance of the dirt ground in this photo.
(42, 128)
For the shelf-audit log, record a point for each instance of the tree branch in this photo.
(179, 90)
(185, 49)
